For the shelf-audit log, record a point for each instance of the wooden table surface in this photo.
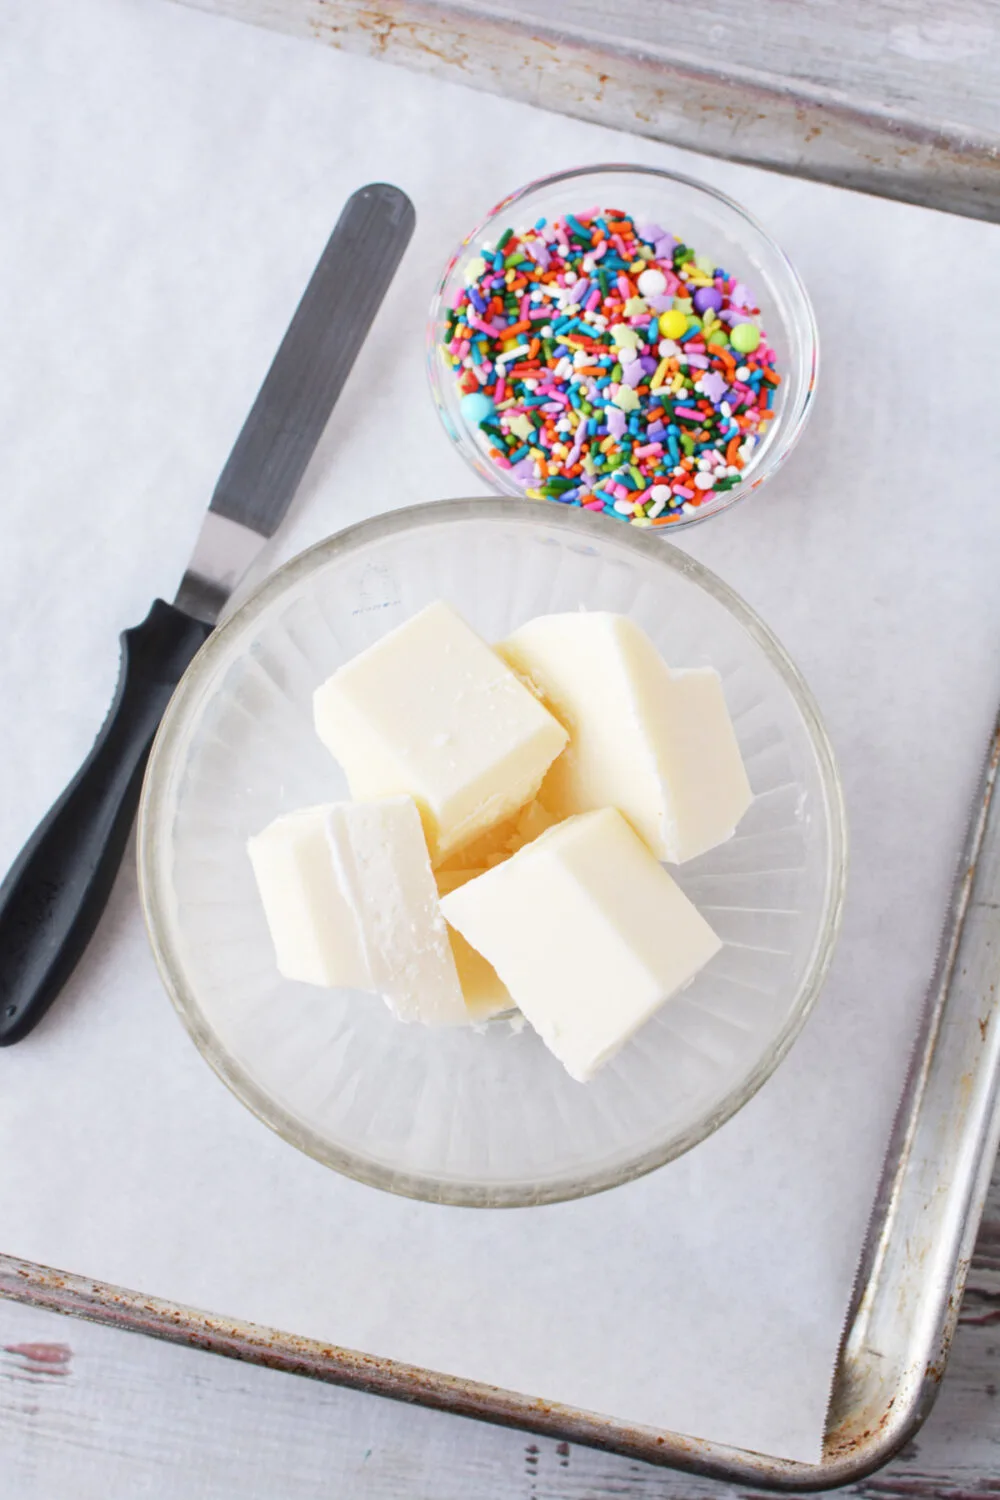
(91, 1413)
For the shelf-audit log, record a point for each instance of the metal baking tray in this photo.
(909, 1284)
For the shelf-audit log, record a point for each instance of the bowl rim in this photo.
(158, 780)
(778, 453)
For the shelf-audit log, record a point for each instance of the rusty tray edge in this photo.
(717, 106)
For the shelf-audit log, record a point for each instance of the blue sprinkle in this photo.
(515, 458)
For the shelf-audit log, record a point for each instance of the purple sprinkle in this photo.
(713, 386)
(665, 246)
(653, 233)
(698, 361)
(648, 363)
(660, 302)
(707, 297)
(538, 253)
(740, 296)
(632, 373)
(525, 471)
(616, 421)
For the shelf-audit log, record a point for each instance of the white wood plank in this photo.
(91, 1413)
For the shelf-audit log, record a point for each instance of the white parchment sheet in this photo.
(168, 182)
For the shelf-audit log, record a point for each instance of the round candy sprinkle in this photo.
(606, 365)
(745, 338)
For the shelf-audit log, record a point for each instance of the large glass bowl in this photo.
(704, 219)
(487, 1117)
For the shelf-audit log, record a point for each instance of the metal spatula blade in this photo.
(57, 888)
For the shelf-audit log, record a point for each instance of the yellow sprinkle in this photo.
(637, 265)
(534, 494)
(522, 426)
(640, 521)
(661, 374)
(608, 443)
(626, 399)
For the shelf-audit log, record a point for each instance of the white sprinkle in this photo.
(652, 283)
(742, 372)
(503, 359)
(624, 507)
(704, 481)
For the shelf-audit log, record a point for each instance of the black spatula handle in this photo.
(57, 888)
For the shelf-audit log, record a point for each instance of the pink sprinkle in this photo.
(500, 391)
(651, 450)
(593, 505)
(679, 489)
(599, 251)
(464, 348)
(539, 312)
(525, 305)
(594, 300)
(504, 463)
(623, 286)
(687, 411)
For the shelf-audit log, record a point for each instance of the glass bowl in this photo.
(704, 219)
(487, 1117)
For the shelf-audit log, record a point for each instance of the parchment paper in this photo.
(169, 180)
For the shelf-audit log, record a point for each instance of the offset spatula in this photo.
(59, 884)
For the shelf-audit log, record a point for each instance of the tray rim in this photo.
(917, 1251)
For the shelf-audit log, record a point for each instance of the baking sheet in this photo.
(171, 179)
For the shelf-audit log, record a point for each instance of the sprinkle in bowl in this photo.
(624, 340)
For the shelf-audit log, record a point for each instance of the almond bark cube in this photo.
(431, 712)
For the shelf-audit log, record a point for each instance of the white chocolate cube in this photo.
(431, 712)
(657, 744)
(350, 899)
(588, 932)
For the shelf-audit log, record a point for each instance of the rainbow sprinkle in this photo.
(609, 366)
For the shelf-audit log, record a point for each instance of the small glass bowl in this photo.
(483, 1118)
(711, 224)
